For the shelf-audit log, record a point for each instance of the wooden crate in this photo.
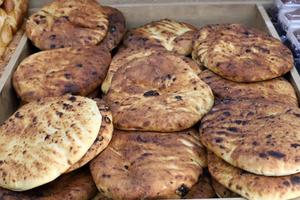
(194, 12)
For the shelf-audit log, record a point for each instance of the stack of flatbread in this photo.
(182, 112)
(252, 132)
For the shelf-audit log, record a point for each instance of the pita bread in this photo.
(158, 88)
(116, 28)
(241, 54)
(77, 185)
(253, 186)
(202, 189)
(278, 89)
(133, 164)
(258, 136)
(221, 191)
(75, 70)
(172, 35)
(125, 55)
(67, 23)
(103, 138)
(42, 139)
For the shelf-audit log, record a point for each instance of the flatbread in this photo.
(172, 35)
(202, 189)
(42, 139)
(149, 165)
(116, 28)
(158, 88)
(125, 55)
(75, 70)
(67, 23)
(253, 186)
(241, 54)
(258, 136)
(278, 89)
(103, 138)
(221, 191)
(77, 185)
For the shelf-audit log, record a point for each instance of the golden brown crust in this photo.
(103, 138)
(77, 185)
(6, 31)
(42, 139)
(75, 70)
(10, 49)
(158, 88)
(173, 36)
(241, 54)
(16, 11)
(277, 90)
(134, 163)
(67, 23)
(202, 189)
(124, 56)
(258, 136)
(221, 191)
(116, 28)
(253, 186)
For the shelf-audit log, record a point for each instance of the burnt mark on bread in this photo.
(182, 190)
(274, 154)
(59, 114)
(295, 145)
(72, 98)
(178, 98)
(151, 93)
(71, 88)
(295, 180)
(67, 106)
(18, 115)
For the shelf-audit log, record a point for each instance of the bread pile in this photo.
(164, 124)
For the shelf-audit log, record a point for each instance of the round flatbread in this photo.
(67, 23)
(75, 70)
(278, 89)
(258, 136)
(44, 138)
(16, 11)
(77, 185)
(116, 28)
(172, 35)
(125, 55)
(158, 88)
(253, 186)
(202, 189)
(103, 138)
(149, 165)
(221, 191)
(241, 54)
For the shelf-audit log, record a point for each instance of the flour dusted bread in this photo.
(75, 70)
(149, 165)
(116, 28)
(158, 88)
(241, 54)
(172, 35)
(278, 89)
(44, 138)
(103, 138)
(253, 186)
(68, 23)
(258, 136)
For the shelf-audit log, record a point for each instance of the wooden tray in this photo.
(196, 13)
